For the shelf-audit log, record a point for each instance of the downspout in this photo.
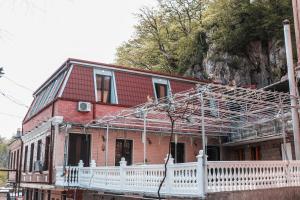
(19, 171)
(51, 147)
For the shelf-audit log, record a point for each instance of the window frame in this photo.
(113, 88)
(25, 158)
(31, 163)
(39, 150)
(161, 81)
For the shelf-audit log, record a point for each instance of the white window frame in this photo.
(164, 82)
(113, 90)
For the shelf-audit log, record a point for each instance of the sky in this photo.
(37, 36)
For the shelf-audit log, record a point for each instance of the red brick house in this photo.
(58, 148)
(77, 93)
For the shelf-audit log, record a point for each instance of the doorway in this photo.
(79, 149)
(123, 149)
(177, 151)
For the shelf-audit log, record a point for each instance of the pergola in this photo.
(206, 110)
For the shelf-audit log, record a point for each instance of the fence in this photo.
(192, 179)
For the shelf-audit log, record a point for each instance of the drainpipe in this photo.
(293, 86)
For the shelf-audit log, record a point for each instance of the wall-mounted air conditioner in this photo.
(84, 106)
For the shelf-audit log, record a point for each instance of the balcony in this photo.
(194, 179)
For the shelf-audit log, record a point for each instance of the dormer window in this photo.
(105, 89)
(161, 88)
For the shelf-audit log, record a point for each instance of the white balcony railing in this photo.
(181, 180)
(193, 179)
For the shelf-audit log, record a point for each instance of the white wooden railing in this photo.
(193, 179)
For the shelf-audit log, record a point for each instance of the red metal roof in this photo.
(133, 89)
(80, 85)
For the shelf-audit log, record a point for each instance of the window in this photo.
(14, 162)
(31, 157)
(123, 149)
(46, 156)
(255, 153)
(105, 89)
(177, 152)
(161, 88)
(39, 147)
(79, 149)
(18, 154)
(46, 95)
(25, 159)
(9, 160)
(240, 154)
(213, 153)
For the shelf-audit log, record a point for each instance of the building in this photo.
(94, 128)
(14, 159)
(78, 93)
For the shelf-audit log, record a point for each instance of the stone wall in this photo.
(292, 193)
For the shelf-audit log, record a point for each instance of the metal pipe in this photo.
(106, 145)
(293, 86)
(296, 11)
(144, 138)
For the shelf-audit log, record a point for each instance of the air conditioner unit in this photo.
(84, 106)
(38, 166)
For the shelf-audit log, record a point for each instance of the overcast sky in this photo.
(37, 36)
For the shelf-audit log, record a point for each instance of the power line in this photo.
(11, 115)
(14, 100)
(18, 84)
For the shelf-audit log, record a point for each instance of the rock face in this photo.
(261, 65)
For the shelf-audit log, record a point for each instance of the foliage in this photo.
(234, 24)
(168, 38)
(1, 71)
(176, 35)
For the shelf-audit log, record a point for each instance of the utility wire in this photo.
(11, 115)
(18, 84)
(14, 100)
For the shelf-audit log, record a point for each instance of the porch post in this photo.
(92, 166)
(106, 145)
(123, 163)
(80, 166)
(201, 173)
(144, 137)
(202, 123)
(170, 174)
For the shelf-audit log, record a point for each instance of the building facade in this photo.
(55, 135)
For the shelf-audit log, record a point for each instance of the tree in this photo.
(178, 35)
(1, 72)
(168, 38)
(247, 31)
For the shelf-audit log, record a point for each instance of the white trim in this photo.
(65, 82)
(41, 129)
(163, 82)
(136, 72)
(113, 83)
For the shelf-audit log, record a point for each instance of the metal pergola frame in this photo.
(206, 110)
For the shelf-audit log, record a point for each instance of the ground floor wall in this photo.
(59, 194)
(266, 150)
(157, 146)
